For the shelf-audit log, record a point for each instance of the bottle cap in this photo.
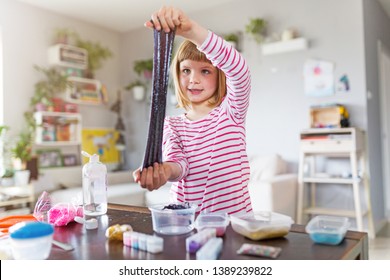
(91, 223)
(92, 158)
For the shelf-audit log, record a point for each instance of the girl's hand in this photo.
(169, 18)
(153, 177)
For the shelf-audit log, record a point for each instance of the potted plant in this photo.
(21, 151)
(62, 35)
(7, 179)
(3, 153)
(256, 28)
(53, 84)
(232, 38)
(96, 54)
(138, 88)
(144, 69)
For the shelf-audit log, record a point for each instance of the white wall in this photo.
(27, 34)
(377, 26)
(278, 110)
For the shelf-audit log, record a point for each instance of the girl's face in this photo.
(198, 80)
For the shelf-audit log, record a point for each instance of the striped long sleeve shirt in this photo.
(212, 151)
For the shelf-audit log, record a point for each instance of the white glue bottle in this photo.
(94, 186)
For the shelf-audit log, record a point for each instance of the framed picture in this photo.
(49, 158)
(101, 141)
(69, 160)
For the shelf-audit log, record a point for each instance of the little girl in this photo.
(204, 150)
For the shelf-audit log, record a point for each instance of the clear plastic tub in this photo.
(261, 225)
(219, 221)
(31, 240)
(172, 221)
(328, 230)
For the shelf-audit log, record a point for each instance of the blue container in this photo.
(328, 230)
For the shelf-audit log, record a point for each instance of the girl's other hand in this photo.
(151, 178)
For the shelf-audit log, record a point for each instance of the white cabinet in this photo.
(68, 56)
(339, 143)
(57, 128)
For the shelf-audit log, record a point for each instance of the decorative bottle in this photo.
(94, 186)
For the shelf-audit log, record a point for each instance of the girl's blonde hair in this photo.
(188, 50)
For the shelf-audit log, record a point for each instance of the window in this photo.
(1, 81)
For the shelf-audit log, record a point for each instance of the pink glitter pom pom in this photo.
(61, 214)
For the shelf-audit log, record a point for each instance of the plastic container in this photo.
(219, 221)
(211, 250)
(261, 225)
(328, 230)
(94, 186)
(31, 240)
(196, 241)
(171, 222)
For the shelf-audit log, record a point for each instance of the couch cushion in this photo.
(159, 196)
(266, 167)
(128, 194)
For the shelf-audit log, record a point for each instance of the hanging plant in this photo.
(96, 54)
(256, 28)
(144, 67)
(231, 37)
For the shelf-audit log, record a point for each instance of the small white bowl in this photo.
(172, 221)
(31, 240)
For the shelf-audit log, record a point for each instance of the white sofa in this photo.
(270, 188)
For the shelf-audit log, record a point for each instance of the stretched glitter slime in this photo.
(163, 45)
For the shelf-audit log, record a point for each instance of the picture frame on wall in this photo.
(69, 160)
(49, 158)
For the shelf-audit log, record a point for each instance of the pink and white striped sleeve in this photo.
(238, 78)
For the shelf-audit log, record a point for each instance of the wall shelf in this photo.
(285, 46)
(84, 91)
(68, 56)
(57, 128)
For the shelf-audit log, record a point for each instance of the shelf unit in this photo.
(285, 46)
(335, 142)
(84, 91)
(57, 128)
(58, 138)
(68, 56)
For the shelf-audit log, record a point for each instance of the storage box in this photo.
(172, 221)
(333, 116)
(218, 221)
(261, 225)
(327, 229)
(68, 56)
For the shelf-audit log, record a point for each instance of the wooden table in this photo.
(93, 245)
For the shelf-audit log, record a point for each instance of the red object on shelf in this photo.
(58, 104)
(71, 108)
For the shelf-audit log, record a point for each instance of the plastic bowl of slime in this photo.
(173, 219)
(219, 221)
(328, 230)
